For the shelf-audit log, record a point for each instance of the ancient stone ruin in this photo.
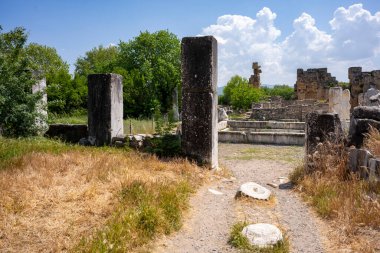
(361, 81)
(199, 99)
(286, 110)
(41, 106)
(339, 102)
(321, 127)
(254, 80)
(105, 108)
(314, 84)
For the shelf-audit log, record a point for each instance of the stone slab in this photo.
(105, 107)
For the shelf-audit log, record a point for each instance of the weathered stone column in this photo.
(199, 100)
(175, 104)
(339, 102)
(41, 106)
(105, 107)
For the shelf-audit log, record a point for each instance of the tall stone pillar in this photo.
(339, 102)
(199, 100)
(41, 106)
(105, 107)
(175, 104)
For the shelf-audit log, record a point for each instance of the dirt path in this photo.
(212, 215)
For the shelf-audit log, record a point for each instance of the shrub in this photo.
(17, 103)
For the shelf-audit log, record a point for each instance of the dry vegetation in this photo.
(90, 200)
(349, 203)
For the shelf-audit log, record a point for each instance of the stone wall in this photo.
(360, 82)
(71, 133)
(289, 110)
(314, 84)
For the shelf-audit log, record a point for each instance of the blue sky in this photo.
(281, 35)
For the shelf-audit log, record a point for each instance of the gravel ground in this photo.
(211, 216)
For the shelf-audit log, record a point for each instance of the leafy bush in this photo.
(165, 146)
(284, 91)
(240, 94)
(17, 103)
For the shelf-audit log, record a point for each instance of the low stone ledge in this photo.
(275, 138)
(71, 133)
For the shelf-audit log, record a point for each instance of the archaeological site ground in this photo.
(137, 149)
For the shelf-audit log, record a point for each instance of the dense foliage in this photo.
(149, 64)
(17, 103)
(240, 94)
(64, 94)
(284, 91)
(153, 63)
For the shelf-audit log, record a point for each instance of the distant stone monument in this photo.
(105, 108)
(199, 100)
(41, 106)
(314, 84)
(254, 80)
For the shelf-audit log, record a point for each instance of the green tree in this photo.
(17, 103)
(243, 95)
(64, 94)
(152, 61)
(344, 85)
(232, 84)
(283, 91)
(98, 60)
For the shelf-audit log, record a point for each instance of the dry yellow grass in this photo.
(349, 203)
(49, 202)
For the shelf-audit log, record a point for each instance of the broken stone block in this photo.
(359, 161)
(222, 115)
(262, 234)
(254, 190)
(199, 100)
(362, 119)
(366, 112)
(71, 133)
(374, 169)
(321, 127)
(371, 97)
(105, 107)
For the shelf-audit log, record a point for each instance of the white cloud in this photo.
(354, 41)
(356, 33)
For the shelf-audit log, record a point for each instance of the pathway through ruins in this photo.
(211, 216)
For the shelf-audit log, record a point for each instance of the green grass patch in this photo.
(67, 119)
(13, 149)
(238, 240)
(297, 174)
(131, 126)
(139, 126)
(289, 154)
(145, 211)
(322, 200)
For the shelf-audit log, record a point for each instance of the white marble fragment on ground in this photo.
(215, 192)
(262, 234)
(254, 190)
